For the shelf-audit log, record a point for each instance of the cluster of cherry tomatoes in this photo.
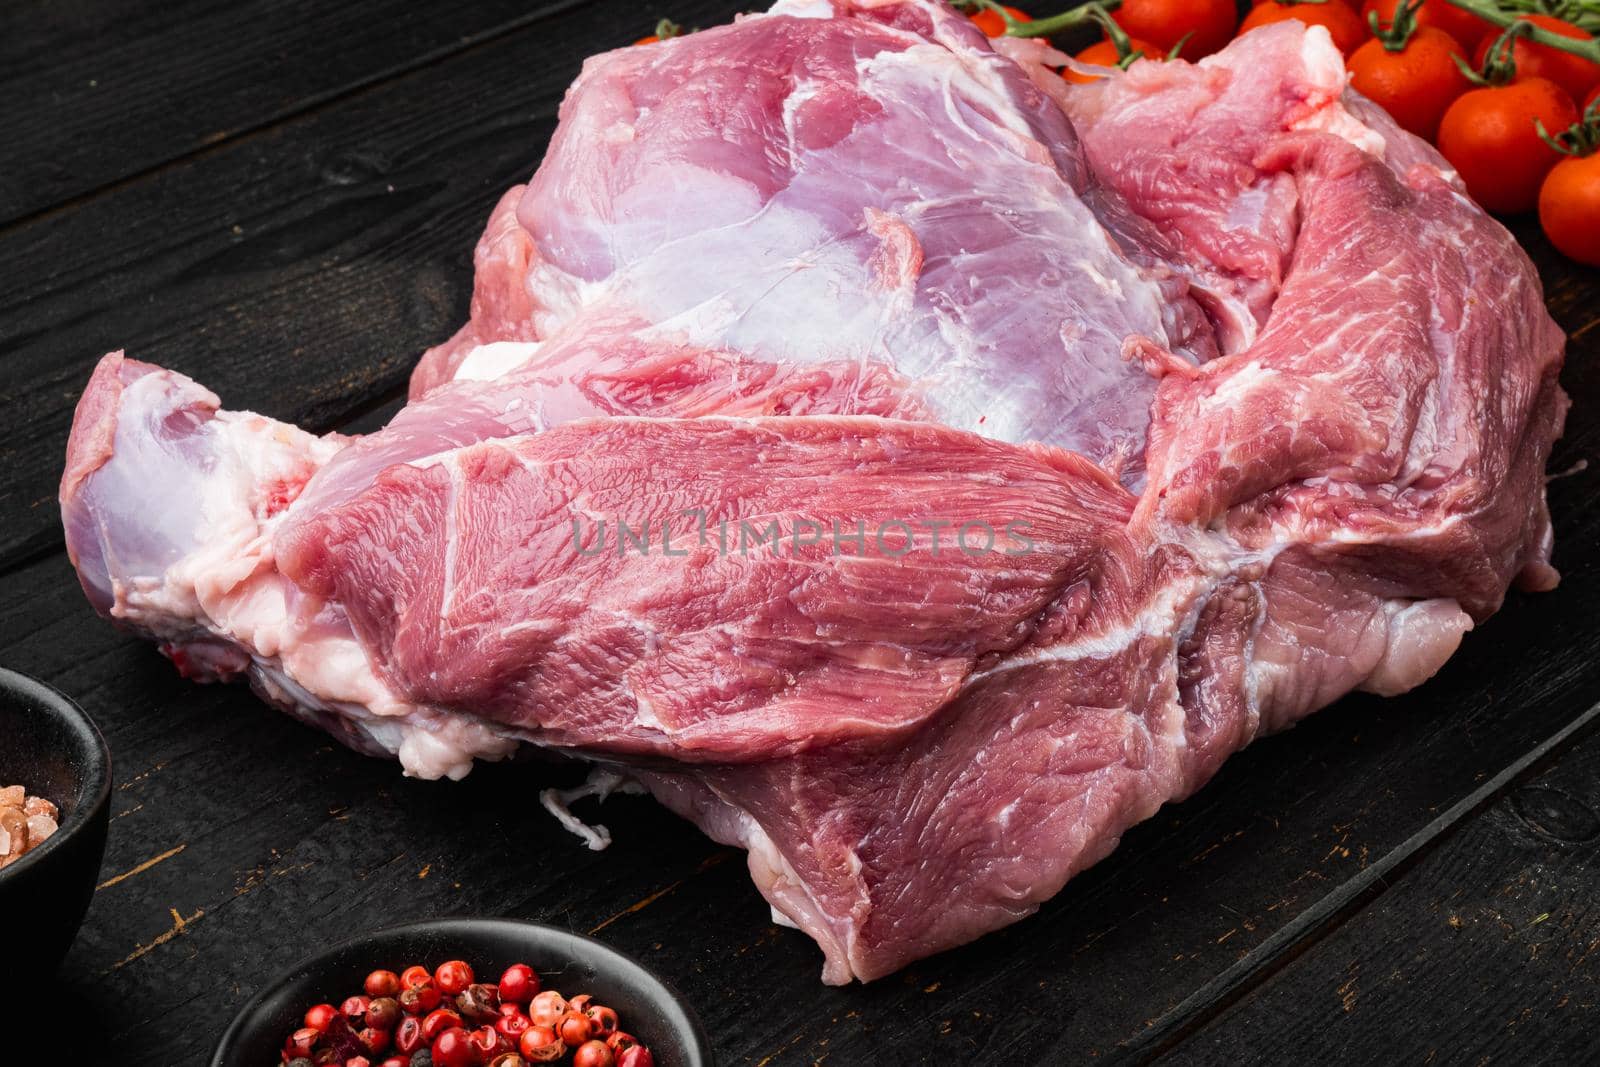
(1519, 119)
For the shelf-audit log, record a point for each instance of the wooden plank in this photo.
(1486, 951)
(298, 272)
(92, 99)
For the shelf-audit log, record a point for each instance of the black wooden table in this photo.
(280, 198)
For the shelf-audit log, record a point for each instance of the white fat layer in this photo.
(495, 360)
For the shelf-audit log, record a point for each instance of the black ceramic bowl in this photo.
(51, 748)
(650, 1009)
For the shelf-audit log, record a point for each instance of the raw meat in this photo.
(911, 469)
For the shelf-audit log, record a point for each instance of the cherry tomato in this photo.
(1416, 85)
(1464, 26)
(989, 21)
(1573, 73)
(1104, 54)
(1569, 208)
(1489, 136)
(1336, 16)
(1166, 22)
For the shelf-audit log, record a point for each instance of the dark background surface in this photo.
(280, 198)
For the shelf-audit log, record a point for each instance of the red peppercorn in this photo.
(539, 1044)
(437, 1022)
(602, 1019)
(302, 1042)
(373, 1039)
(637, 1056)
(382, 984)
(452, 977)
(355, 1008)
(519, 984)
(479, 1002)
(414, 976)
(580, 1003)
(408, 1036)
(320, 1016)
(594, 1054)
(453, 1049)
(383, 1013)
(357, 1061)
(508, 1059)
(488, 1042)
(574, 1029)
(396, 1061)
(621, 1041)
(326, 1057)
(420, 999)
(547, 1008)
(512, 1024)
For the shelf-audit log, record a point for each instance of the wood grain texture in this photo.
(98, 92)
(242, 841)
(1510, 904)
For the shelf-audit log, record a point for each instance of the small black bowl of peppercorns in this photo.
(467, 993)
(55, 802)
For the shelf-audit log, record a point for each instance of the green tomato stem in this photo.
(1586, 48)
(1067, 20)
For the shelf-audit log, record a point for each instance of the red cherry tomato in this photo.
(1489, 136)
(989, 21)
(1416, 85)
(1104, 54)
(1573, 73)
(1208, 24)
(1464, 26)
(1336, 16)
(1569, 208)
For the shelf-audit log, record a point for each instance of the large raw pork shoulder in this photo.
(911, 468)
